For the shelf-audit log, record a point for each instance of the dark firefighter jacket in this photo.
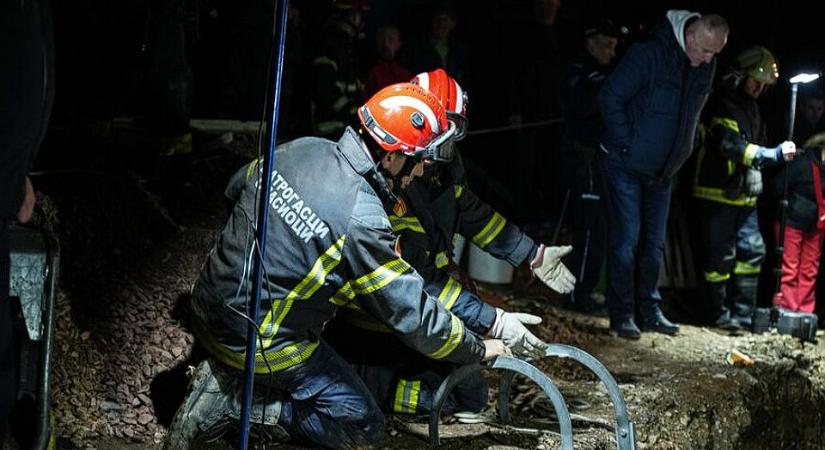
(802, 208)
(329, 246)
(733, 134)
(582, 81)
(432, 210)
(651, 103)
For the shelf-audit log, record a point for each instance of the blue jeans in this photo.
(637, 209)
(327, 403)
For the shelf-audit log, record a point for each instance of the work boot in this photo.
(743, 314)
(726, 322)
(744, 299)
(204, 415)
(213, 406)
(654, 320)
(625, 327)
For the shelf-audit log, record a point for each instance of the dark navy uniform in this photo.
(330, 248)
(726, 184)
(432, 210)
(582, 82)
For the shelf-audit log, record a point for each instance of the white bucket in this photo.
(459, 242)
(487, 268)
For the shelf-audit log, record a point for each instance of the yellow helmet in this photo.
(758, 63)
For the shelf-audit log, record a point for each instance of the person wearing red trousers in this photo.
(804, 228)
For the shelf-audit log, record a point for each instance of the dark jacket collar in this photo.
(354, 150)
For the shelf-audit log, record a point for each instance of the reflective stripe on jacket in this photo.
(433, 212)
(329, 244)
(731, 145)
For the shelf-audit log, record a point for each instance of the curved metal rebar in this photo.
(513, 366)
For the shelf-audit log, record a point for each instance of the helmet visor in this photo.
(461, 124)
(442, 149)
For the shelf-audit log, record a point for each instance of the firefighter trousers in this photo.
(732, 254)
(400, 379)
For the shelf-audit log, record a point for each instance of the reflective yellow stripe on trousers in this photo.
(406, 396)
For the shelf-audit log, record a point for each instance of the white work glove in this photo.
(509, 327)
(784, 151)
(788, 149)
(547, 266)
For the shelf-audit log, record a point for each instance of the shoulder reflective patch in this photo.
(725, 122)
(400, 207)
(400, 224)
(459, 189)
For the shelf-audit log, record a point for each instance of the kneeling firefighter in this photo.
(331, 244)
(431, 211)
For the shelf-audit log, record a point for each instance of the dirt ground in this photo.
(132, 247)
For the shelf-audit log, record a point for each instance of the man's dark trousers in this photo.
(637, 209)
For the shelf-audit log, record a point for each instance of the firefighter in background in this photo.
(726, 184)
(336, 89)
(431, 211)
(582, 81)
(331, 247)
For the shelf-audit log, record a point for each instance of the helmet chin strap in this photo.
(387, 185)
(382, 187)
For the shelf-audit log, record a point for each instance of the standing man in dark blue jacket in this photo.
(650, 106)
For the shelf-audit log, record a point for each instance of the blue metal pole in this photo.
(277, 57)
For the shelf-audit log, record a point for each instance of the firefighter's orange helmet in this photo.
(407, 118)
(450, 94)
